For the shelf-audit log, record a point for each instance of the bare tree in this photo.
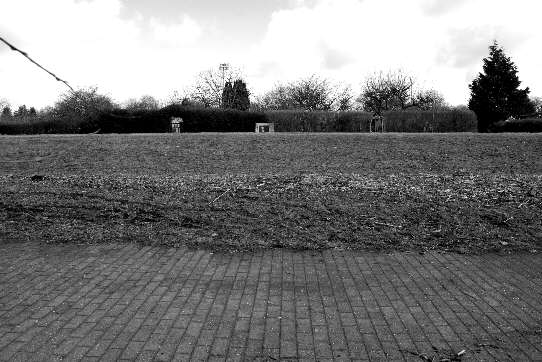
(345, 100)
(537, 103)
(311, 94)
(209, 85)
(396, 90)
(145, 103)
(3, 103)
(276, 99)
(390, 91)
(430, 99)
(177, 97)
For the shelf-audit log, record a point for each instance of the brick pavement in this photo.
(126, 302)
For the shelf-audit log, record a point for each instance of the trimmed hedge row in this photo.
(218, 120)
(319, 121)
(530, 125)
(44, 125)
(194, 120)
(429, 121)
(398, 121)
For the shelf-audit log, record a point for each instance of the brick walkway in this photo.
(114, 302)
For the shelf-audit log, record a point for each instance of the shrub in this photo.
(83, 108)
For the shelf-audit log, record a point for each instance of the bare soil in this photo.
(455, 192)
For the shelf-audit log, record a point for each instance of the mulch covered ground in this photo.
(459, 192)
(422, 212)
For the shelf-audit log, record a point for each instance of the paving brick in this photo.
(131, 303)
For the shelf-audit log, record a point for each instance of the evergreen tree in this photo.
(241, 96)
(227, 95)
(6, 113)
(495, 93)
(21, 112)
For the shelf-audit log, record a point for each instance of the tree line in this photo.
(495, 96)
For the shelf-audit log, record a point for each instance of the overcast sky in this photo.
(129, 48)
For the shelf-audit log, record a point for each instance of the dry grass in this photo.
(461, 192)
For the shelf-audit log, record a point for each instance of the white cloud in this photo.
(186, 32)
(440, 42)
(88, 43)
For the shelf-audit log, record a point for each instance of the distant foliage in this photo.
(276, 99)
(21, 112)
(79, 111)
(214, 120)
(145, 103)
(227, 95)
(24, 114)
(229, 120)
(194, 120)
(430, 121)
(3, 103)
(495, 93)
(241, 96)
(208, 86)
(312, 94)
(236, 96)
(531, 125)
(430, 99)
(6, 113)
(394, 121)
(396, 91)
(308, 94)
(537, 104)
(345, 100)
(76, 112)
(319, 121)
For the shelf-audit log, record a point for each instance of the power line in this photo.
(12, 47)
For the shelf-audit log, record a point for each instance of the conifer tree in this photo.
(495, 93)
(241, 96)
(227, 95)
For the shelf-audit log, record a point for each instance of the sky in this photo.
(131, 48)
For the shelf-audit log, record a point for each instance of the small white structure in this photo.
(176, 124)
(265, 127)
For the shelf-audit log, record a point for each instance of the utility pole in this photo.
(224, 67)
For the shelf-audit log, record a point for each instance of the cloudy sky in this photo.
(129, 48)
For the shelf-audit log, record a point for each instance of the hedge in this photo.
(531, 125)
(194, 120)
(219, 120)
(319, 121)
(41, 125)
(399, 121)
(215, 120)
(429, 121)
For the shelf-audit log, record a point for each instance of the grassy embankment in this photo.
(461, 192)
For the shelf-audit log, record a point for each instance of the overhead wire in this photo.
(14, 48)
